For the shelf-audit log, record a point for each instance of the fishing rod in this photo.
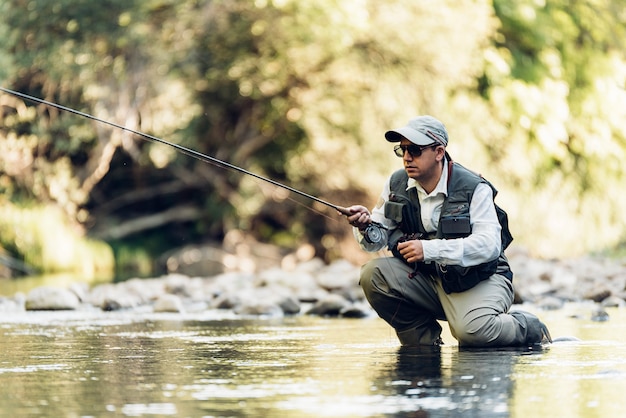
(187, 151)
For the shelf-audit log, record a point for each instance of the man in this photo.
(441, 224)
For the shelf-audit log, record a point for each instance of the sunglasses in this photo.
(414, 150)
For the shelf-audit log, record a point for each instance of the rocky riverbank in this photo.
(316, 288)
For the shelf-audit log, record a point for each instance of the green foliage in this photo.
(43, 239)
(556, 86)
(532, 93)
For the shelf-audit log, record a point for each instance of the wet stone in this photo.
(598, 295)
(332, 305)
(613, 302)
(47, 298)
(599, 315)
(550, 303)
(260, 308)
(316, 288)
(168, 303)
(356, 311)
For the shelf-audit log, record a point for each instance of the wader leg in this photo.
(480, 317)
(419, 336)
(409, 305)
(531, 330)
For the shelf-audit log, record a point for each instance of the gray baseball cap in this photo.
(422, 130)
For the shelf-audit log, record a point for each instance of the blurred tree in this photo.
(532, 94)
(555, 79)
(100, 58)
(83, 55)
(288, 89)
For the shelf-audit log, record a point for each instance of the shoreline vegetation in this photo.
(300, 93)
(241, 274)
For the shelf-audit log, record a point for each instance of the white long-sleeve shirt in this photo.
(482, 245)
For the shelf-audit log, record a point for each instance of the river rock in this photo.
(328, 289)
(338, 275)
(111, 297)
(312, 266)
(144, 290)
(14, 304)
(599, 315)
(47, 298)
(289, 305)
(300, 281)
(80, 289)
(259, 308)
(178, 284)
(331, 305)
(226, 301)
(598, 295)
(613, 302)
(550, 303)
(356, 310)
(168, 303)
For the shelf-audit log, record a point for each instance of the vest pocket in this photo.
(456, 226)
(403, 213)
(393, 211)
(459, 279)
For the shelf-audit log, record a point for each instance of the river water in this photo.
(97, 364)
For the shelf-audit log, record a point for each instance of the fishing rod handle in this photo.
(343, 211)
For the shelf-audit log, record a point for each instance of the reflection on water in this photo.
(76, 364)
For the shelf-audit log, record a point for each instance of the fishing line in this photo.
(184, 150)
(371, 233)
(210, 160)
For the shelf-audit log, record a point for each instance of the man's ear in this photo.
(441, 152)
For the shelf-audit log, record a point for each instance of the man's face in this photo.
(422, 166)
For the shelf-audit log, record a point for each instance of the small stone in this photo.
(47, 298)
(332, 305)
(613, 302)
(355, 311)
(550, 303)
(289, 305)
(259, 309)
(598, 296)
(565, 338)
(599, 315)
(168, 303)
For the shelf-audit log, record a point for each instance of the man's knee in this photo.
(371, 278)
(478, 330)
(472, 339)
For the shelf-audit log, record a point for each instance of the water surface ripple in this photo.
(96, 364)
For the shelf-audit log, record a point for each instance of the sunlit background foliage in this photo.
(532, 92)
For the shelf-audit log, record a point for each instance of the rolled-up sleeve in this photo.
(482, 245)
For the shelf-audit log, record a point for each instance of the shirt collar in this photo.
(442, 186)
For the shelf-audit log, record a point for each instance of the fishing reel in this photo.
(375, 234)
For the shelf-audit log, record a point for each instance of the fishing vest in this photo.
(403, 207)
